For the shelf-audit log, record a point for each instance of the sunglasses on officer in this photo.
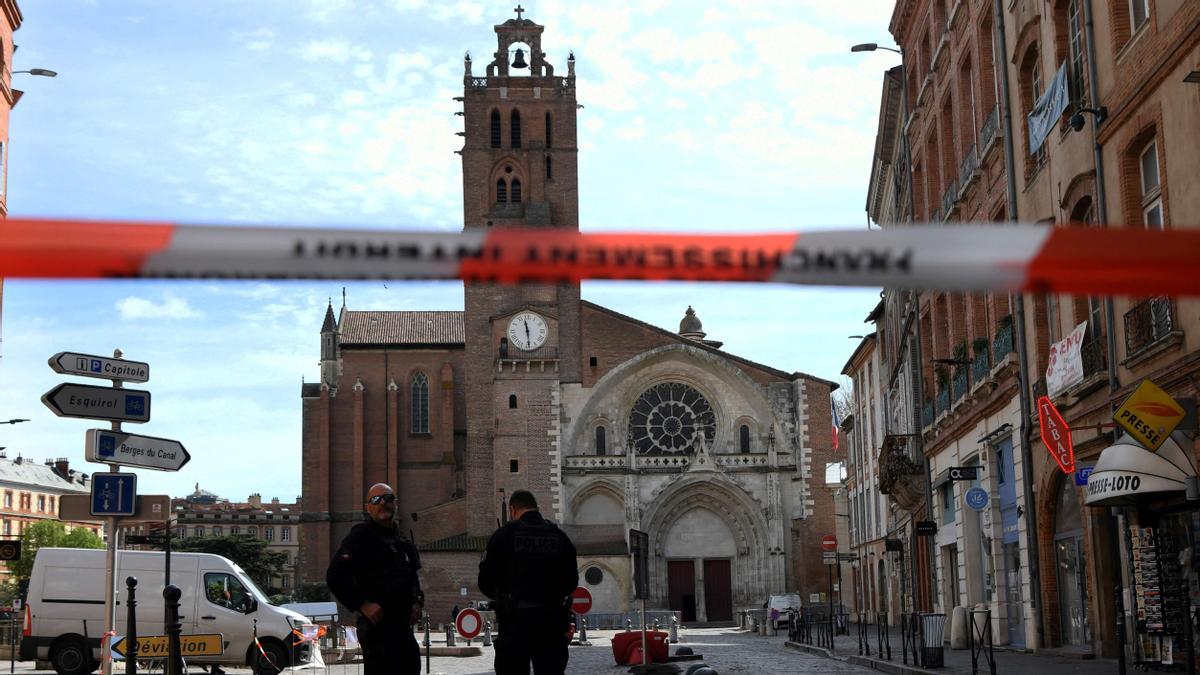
(379, 499)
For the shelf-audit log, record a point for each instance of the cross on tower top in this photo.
(518, 9)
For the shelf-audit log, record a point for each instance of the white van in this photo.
(778, 606)
(64, 610)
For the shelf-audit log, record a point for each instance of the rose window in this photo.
(668, 418)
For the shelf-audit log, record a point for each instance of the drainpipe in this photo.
(1101, 198)
(1022, 345)
(919, 438)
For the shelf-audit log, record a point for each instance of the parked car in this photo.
(64, 613)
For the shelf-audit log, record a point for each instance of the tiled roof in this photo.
(402, 328)
(28, 472)
(458, 542)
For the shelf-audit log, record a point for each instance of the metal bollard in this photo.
(174, 656)
(130, 627)
(628, 625)
(656, 624)
(427, 645)
(674, 636)
(450, 635)
(487, 634)
(583, 631)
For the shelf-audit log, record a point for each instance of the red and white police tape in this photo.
(967, 257)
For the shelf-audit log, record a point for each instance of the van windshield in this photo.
(249, 583)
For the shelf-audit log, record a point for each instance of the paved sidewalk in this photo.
(957, 661)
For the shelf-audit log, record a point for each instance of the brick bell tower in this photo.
(520, 169)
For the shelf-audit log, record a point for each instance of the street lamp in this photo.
(871, 46)
(37, 72)
(13, 421)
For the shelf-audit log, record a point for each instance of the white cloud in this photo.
(258, 40)
(170, 307)
(333, 50)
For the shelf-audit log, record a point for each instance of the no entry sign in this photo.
(829, 543)
(581, 601)
(468, 623)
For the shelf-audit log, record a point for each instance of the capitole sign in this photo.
(1056, 435)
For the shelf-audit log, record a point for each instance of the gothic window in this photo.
(512, 401)
(549, 170)
(549, 133)
(501, 191)
(601, 441)
(495, 128)
(671, 418)
(420, 404)
(744, 439)
(515, 128)
(515, 191)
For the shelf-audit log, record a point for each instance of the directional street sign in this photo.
(146, 452)
(87, 365)
(926, 528)
(98, 403)
(155, 646)
(114, 494)
(829, 557)
(847, 557)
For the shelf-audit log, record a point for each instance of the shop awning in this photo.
(1127, 473)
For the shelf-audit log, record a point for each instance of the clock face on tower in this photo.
(527, 331)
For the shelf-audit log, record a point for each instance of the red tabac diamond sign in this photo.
(1056, 435)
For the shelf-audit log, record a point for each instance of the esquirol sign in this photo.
(1127, 471)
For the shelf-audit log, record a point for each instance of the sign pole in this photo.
(110, 566)
(645, 654)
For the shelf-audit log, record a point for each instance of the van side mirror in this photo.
(253, 606)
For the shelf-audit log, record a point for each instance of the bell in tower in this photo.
(519, 61)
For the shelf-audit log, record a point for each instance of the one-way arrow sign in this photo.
(147, 452)
(88, 365)
(98, 403)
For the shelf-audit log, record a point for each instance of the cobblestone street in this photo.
(725, 649)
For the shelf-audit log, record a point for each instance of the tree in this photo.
(311, 591)
(52, 533)
(247, 552)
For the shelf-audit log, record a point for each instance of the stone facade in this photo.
(612, 423)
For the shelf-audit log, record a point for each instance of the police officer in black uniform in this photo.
(374, 573)
(530, 570)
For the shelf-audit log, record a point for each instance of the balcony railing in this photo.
(1147, 323)
(1002, 346)
(980, 367)
(991, 125)
(927, 414)
(1093, 354)
(943, 399)
(960, 383)
(950, 198)
(968, 166)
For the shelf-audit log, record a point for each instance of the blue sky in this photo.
(697, 117)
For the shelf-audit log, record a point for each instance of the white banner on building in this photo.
(1048, 108)
(1066, 363)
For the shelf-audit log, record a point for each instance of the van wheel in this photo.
(276, 659)
(71, 656)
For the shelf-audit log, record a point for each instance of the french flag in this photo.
(836, 422)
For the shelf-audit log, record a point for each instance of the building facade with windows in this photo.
(952, 393)
(30, 492)
(612, 423)
(204, 514)
(1135, 80)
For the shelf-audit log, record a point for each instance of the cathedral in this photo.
(611, 422)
